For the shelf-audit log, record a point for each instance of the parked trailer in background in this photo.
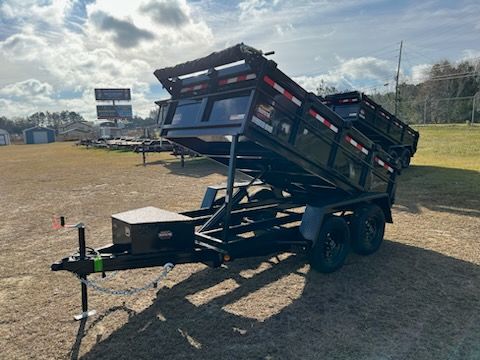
(385, 129)
(318, 186)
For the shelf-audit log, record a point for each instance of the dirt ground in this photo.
(418, 297)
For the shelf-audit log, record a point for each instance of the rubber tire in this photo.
(396, 159)
(405, 159)
(317, 258)
(358, 229)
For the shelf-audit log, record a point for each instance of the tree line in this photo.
(52, 120)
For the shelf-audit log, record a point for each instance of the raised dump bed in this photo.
(317, 186)
(396, 137)
(286, 136)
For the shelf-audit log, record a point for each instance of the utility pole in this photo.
(425, 110)
(397, 77)
(473, 108)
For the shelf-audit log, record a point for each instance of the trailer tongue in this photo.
(321, 185)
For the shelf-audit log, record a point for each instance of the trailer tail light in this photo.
(236, 79)
(282, 91)
(323, 120)
(356, 144)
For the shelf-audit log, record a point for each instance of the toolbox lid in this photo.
(148, 215)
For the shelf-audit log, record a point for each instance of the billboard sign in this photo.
(114, 111)
(112, 94)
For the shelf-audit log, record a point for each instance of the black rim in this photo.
(371, 230)
(333, 246)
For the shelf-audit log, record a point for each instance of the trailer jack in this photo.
(82, 249)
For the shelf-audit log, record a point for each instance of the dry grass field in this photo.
(418, 297)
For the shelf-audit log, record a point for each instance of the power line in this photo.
(452, 77)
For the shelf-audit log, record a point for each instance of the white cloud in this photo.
(28, 88)
(418, 73)
(252, 9)
(32, 12)
(470, 54)
(349, 72)
(120, 44)
(22, 46)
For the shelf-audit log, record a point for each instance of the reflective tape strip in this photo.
(282, 91)
(343, 101)
(356, 144)
(398, 125)
(236, 79)
(384, 115)
(384, 164)
(369, 105)
(194, 88)
(323, 121)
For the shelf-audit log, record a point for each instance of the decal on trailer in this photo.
(262, 124)
(237, 117)
(264, 111)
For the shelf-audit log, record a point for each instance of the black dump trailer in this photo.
(382, 127)
(315, 186)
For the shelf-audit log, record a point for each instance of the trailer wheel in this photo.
(332, 246)
(396, 158)
(367, 228)
(406, 155)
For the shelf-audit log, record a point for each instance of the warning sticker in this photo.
(237, 117)
(262, 124)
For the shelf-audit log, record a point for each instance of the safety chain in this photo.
(108, 276)
(132, 291)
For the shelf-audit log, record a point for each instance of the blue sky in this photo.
(53, 53)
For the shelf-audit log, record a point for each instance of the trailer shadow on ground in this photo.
(194, 167)
(402, 302)
(439, 189)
